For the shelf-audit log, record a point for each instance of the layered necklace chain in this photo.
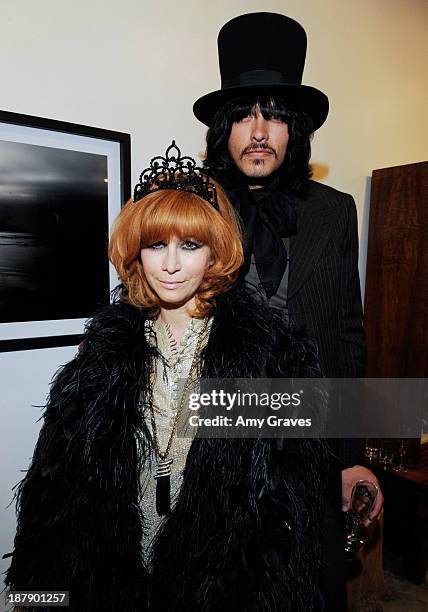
(164, 461)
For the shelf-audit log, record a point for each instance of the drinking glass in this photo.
(363, 499)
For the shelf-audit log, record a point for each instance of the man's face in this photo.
(258, 145)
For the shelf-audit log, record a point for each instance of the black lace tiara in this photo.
(175, 172)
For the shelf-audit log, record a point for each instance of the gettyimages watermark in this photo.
(305, 408)
(241, 400)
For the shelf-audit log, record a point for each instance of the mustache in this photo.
(258, 147)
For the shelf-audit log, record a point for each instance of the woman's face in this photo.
(175, 270)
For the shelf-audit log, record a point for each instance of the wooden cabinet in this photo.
(396, 294)
(396, 325)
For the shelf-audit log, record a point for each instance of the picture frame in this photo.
(61, 186)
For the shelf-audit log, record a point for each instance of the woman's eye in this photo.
(157, 245)
(191, 245)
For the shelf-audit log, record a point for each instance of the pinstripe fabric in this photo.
(324, 296)
(324, 289)
(324, 299)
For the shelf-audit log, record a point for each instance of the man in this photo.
(258, 147)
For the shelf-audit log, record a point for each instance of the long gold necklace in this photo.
(164, 462)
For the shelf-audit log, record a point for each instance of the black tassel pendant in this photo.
(163, 487)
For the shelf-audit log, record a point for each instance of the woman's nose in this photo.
(171, 260)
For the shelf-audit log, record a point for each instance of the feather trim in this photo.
(245, 527)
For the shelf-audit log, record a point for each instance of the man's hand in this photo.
(350, 477)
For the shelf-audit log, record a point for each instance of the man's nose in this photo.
(260, 129)
(171, 260)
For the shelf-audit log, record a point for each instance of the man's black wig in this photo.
(295, 171)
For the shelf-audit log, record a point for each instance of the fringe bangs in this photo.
(181, 215)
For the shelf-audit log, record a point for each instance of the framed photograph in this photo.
(61, 187)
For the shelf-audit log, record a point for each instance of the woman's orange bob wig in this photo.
(162, 215)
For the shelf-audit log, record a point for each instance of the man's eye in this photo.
(191, 245)
(277, 119)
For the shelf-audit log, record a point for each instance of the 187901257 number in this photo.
(38, 598)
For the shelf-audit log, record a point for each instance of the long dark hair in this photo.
(295, 172)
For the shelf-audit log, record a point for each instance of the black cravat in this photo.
(268, 215)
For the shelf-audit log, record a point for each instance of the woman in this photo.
(237, 530)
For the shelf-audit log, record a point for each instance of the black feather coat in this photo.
(244, 533)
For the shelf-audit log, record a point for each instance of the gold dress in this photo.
(169, 371)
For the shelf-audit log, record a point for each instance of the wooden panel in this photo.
(396, 296)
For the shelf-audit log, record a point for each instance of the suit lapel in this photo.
(314, 226)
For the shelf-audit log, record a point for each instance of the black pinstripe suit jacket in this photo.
(324, 295)
(324, 288)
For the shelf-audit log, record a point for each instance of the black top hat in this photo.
(262, 53)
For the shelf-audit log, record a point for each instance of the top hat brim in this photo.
(311, 100)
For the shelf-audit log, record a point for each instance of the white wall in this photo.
(137, 66)
(24, 379)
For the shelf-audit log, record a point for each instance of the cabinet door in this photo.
(396, 295)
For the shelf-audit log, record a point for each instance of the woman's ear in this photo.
(211, 260)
